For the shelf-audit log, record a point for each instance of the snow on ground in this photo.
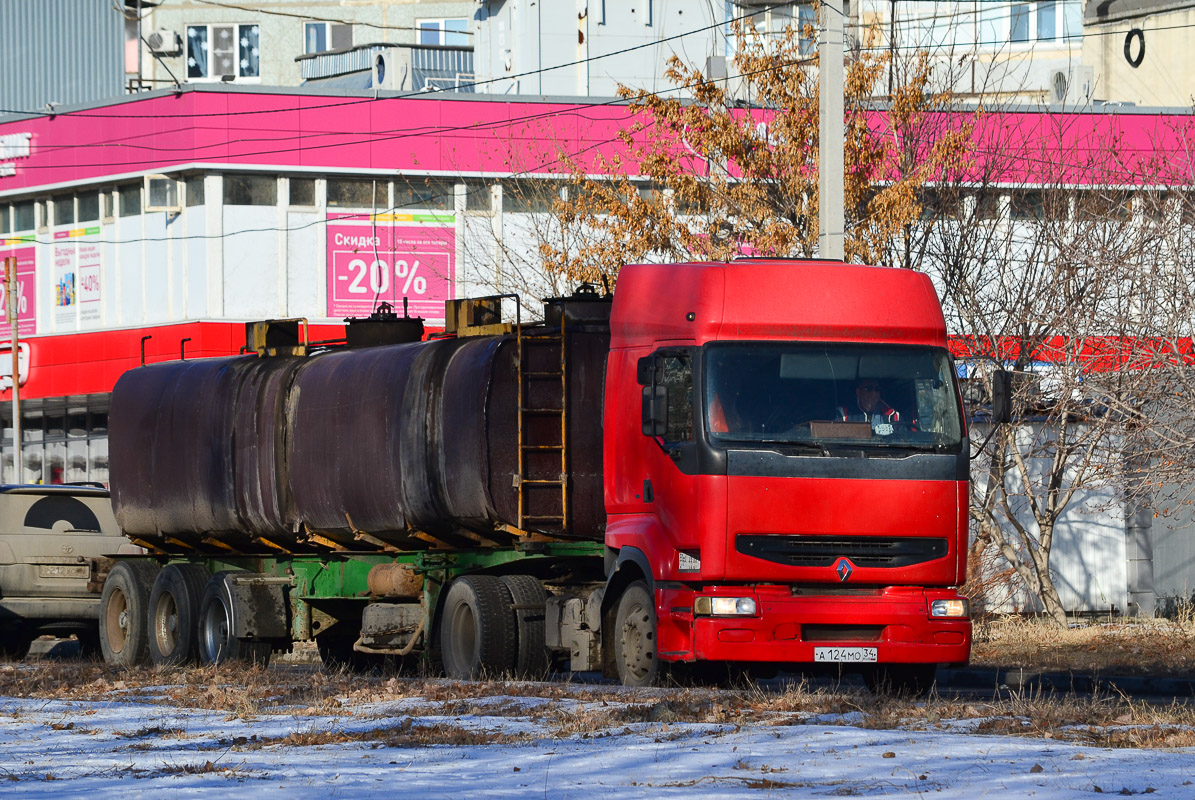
(131, 749)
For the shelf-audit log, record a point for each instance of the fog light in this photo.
(724, 606)
(950, 608)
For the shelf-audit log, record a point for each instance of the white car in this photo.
(53, 546)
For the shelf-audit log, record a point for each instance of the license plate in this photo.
(845, 655)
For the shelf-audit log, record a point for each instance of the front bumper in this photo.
(788, 626)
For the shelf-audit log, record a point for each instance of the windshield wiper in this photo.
(818, 446)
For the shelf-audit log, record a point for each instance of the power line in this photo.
(439, 130)
(309, 18)
(83, 113)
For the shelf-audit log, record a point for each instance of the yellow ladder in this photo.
(537, 388)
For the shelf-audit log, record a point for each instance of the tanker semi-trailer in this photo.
(761, 462)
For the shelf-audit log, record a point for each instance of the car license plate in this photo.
(845, 655)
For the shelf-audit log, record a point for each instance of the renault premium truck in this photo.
(760, 463)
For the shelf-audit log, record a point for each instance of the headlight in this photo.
(950, 608)
(724, 607)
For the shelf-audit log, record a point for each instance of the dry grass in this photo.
(1157, 647)
(437, 712)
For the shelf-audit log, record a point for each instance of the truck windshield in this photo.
(882, 395)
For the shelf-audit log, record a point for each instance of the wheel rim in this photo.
(214, 633)
(116, 620)
(463, 630)
(166, 624)
(638, 642)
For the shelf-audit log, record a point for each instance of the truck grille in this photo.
(823, 551)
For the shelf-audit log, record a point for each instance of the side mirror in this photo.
(655, 410)
(1001, 397)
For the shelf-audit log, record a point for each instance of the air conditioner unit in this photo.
(162, 194)
(164, 42)
(392, 69)
(1073, 86)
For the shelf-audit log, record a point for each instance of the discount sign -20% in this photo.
(373, 277)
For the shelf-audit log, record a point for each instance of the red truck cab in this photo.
(764, 505)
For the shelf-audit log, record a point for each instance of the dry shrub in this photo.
(1156, 647)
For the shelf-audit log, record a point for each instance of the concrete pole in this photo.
(831, 147)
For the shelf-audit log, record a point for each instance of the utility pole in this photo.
(13, 305)
(831, 139)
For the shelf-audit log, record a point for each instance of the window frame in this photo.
(209, 78)
(443, 31)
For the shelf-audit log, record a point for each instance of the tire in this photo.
(124, 613)
(912, 681)
(217, 621)
(635, 637)
(174, 614)
(528, 597)
(477, 628)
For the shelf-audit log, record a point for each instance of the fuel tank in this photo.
(405, 444)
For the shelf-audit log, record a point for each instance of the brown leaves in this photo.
(733, 170)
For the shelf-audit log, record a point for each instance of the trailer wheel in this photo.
(124, 613)
(477, 628)
(635, 637)
(174, 614)
(218, 612)
(529, 597)
(901, 680)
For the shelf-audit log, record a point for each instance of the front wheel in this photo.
(124, 614)
(218, 612)
(635, 637)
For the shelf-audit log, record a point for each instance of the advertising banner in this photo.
(88, 263)
(390, 258)
(66, 303)
(26, 307)
(76, 277)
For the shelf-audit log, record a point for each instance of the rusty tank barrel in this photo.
(376, 446)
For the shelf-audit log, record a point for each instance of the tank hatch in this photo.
(383, 327)
(584, 306)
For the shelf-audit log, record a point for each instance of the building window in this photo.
(429, 193)
(64, 210)
(451, 32)
(89, 207)
(217, 52)
(302, 191)
(1046, 21)
(358, 194)
(130, 200)
(319, 37)
(194, 185)
(23, 217)
(250, 190)
(1019, 24)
